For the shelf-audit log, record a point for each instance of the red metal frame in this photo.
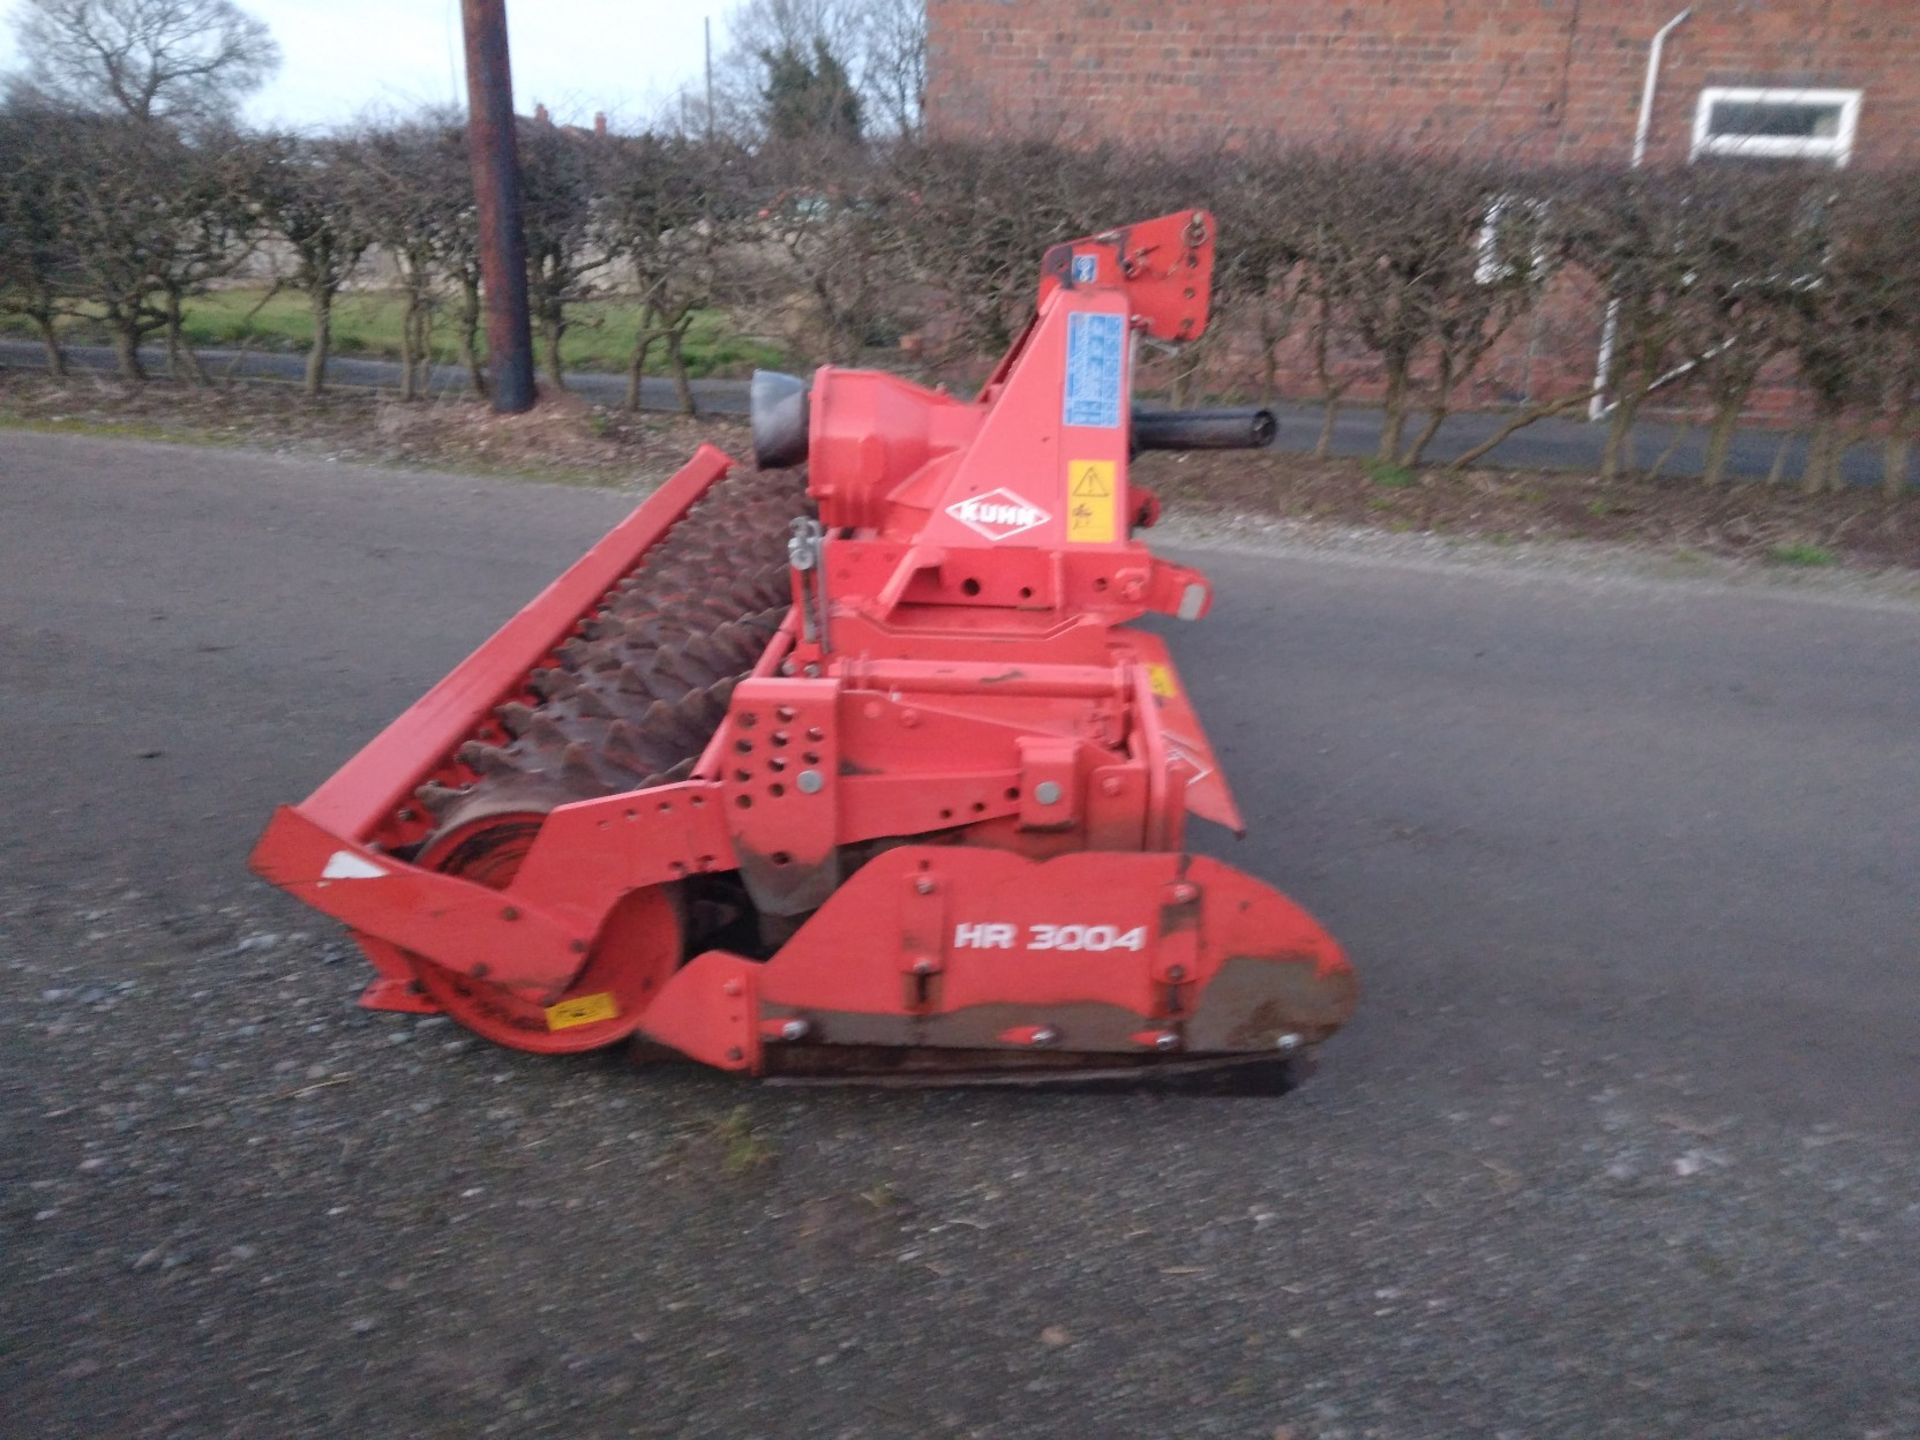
(969, 682)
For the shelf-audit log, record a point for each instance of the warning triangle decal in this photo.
(1093, 483)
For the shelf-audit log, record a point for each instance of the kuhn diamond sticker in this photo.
(998, 514)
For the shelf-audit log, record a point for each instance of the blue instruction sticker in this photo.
(1095, 369)
(1086, 269)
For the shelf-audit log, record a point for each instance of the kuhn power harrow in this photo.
(887, 790)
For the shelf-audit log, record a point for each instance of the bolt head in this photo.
(1176, 972)
(1166, 1040)
(1287, 1043)
(1045, 1035)
(731, 988)
(809, 782)
(1047, 792)
(794, 1030)
(1183, 894)
(923, 885)
(924, 965)
(1111, 785)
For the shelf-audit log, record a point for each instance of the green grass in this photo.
(1801, 555)
(1393, 477)
(743, 1149)
(600, 336)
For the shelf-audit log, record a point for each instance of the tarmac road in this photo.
(1621, 1144)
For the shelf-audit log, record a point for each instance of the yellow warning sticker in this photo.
(1160, 681)
(582, 1010)
(1092, 506)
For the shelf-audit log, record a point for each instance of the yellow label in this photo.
(1160, 681)
(1091, 504)
(582, 1010)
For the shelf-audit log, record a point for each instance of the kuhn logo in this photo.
(998, 514)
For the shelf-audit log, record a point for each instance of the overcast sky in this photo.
(576, 56)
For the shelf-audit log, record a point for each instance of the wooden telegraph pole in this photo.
(495, 155)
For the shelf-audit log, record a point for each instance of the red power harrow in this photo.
(887, 791)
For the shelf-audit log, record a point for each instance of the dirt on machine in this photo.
(854, 764)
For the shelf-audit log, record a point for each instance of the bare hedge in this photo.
(1403, 268)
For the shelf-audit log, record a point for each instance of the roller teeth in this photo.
(487, 759)
(684, 668)
(553, 684)
(633, 696)
(699, 713)
(626, 747)
(659, 723)
(437, 798)
(577, 767)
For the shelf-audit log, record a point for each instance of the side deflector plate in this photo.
(1207, 793)
(954, 948)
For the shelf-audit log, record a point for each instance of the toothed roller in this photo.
(631, 698)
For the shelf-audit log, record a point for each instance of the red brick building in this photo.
(1820, 82)
(1557, 80)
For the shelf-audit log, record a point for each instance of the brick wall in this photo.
(1547, 81)
(1556, 80)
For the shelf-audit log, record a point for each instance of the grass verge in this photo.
(367, 322)
(563, 440)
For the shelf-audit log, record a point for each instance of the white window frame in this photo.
(1835, 149)
(1489, 268)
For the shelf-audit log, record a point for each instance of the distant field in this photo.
(368, 323)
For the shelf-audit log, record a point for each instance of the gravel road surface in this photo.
(1623, 1142)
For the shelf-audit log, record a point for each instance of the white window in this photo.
(1777, 124)
(1513, 241)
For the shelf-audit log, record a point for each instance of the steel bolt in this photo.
(1166, 1040)
(732, 987)
(1045, 1035)
(1112, 785)
(509, 912)
(1047, 792)
(794, 1030)
(1287, 1044)
(923, 885)
(925, 965)
(1176, 972)
(809, 782)
(1183, 894)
